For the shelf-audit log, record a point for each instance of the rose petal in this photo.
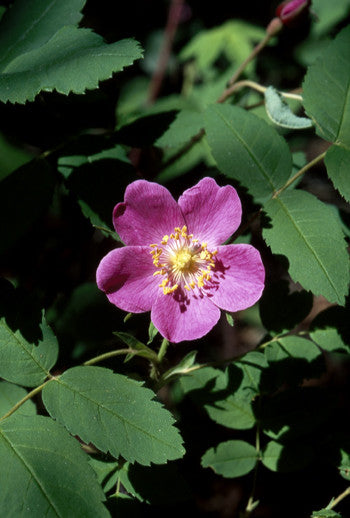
(212, 213)
(180, 316)
(148, 213)
(238, 280)
(126, 276)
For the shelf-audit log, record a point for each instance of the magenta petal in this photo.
(126, 276)
(148, 213)
(239, 277)
(181, 316)
(212, 213)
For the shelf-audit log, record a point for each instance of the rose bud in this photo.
(291, 10)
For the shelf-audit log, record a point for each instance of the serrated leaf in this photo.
(308, 234)
(247, 149)
(280, 113)
(326, 91)
(55, 56)
(23, 362)
(337, 161)
(10, 394)
(233, 412)
(325, 513)
(231, 458)
(115, 413)
(47, 473)
(24, 196)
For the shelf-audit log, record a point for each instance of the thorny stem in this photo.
(30, 394)
(300, 173)
(169, 34)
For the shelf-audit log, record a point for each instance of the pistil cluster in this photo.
(183, 261)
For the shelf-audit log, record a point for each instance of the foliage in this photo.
(99, 415)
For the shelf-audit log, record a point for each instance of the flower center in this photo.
(182, 261)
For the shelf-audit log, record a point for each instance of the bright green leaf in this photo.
(329, 340)
(280, 113)
(10, 394)
(247, 149)
(325, 513)
(231, 459)
(23, 362)
(47, 473)
(308, 234)
(115, 413)
(43, 54)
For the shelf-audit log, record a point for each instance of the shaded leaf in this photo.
(317, 257)
(23, 362)
(47, 473)
(231, 458)
(287, 457)
(329, 340)
(247, 149)
(115, 413)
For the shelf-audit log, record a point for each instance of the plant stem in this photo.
(169, 34)
(339, 498)
(110, 354)
(163, 349)
(30, 394)
(300, 173)
(254, 86)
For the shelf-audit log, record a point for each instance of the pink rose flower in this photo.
(174, 263)
(290, 10)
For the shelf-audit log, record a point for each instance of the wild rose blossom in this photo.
(174, 263)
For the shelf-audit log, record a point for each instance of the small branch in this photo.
(339, 498)
(255, 86)
(300, 173)
(30, 394)
(169, 34)
(111, 354)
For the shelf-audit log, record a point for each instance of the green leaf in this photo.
(47, 473)
(344, 467)
(328, 15)
(231, 458)
(229, 319)
(23, 362)
(233, 412)
(252, 364)
(10, 394)
(50, 56)
(325, 513)
(11, 157)
(329, 340)
(234, 39)
(152, 332)
(308, 234)
(326, 91)
(182, 368)
(24, 196)
(337, 161)
(247, 149)
(115, 413)
(286, 457)
(280, 113)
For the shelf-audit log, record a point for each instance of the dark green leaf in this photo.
(23, 362)
(45, 51)
(308, 234)
(337, 161)
(47, 473)
(135, 344)
(231, 459)
(329, 340)
(10, 394)
(287, 457)
(115, 413)
(326, 513)
(247, 149)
